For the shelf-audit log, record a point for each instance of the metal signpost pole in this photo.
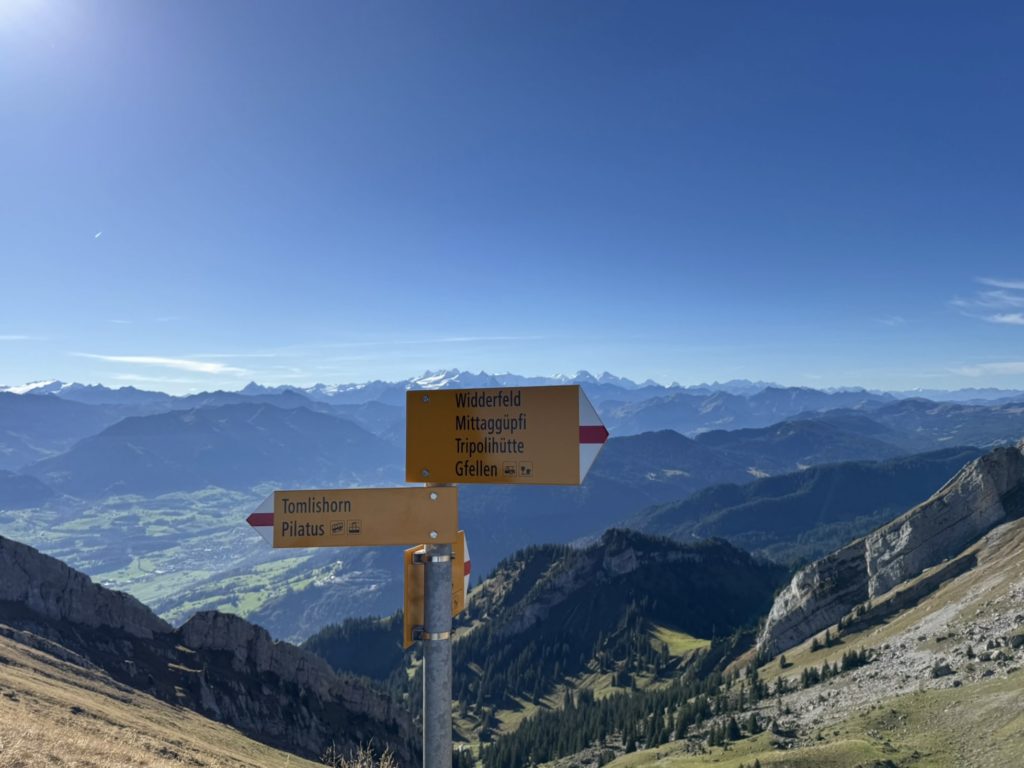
(437, 656)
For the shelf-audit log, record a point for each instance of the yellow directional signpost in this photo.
(511, 435)
(508, 435)
(359, 517)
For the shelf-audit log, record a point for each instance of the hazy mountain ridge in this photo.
(795, 444)
(48, 420)
(22, 491)
(229, 446)
(34, 427)
(920, 425)
(802, 514)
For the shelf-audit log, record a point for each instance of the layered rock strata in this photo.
(985, 493)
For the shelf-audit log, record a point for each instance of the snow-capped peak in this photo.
(48, 387)
(435, 379)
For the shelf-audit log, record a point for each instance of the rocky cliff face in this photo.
(246, 652)
(216, 664)
(982, 495)
(54, 591)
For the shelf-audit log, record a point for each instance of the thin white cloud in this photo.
(177, 363)
(1011, 368)
(121, 322)
(995, 304)
(1007, 318)
(998, 299)
(16, 337)
(1010, 285)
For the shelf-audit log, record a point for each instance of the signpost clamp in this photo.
(422, 557)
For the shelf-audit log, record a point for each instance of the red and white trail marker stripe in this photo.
(593, 435)
(466, 569)
(262, 519)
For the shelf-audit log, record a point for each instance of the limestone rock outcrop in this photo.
(253, 654)
(51, 589)
(985, 493)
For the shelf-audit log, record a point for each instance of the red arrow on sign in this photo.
(593, 435)
(262, 519)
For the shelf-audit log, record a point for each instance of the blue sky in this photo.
(197, 194)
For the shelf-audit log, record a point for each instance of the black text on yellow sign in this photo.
(365, 517)
(513, 435)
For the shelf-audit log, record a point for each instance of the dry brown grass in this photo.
(60, 715)
(364, 757)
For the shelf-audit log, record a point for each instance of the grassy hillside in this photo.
(927, 676)
(980, 725)
(55, 711)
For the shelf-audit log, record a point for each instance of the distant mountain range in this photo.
(45, 419)
(393, 391)
(61, 456)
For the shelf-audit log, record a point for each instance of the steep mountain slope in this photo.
(985, 493)
(808, 513)
(590, 606)
(369, 647)
(231, 446)
(216, 664)
(56, 708)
